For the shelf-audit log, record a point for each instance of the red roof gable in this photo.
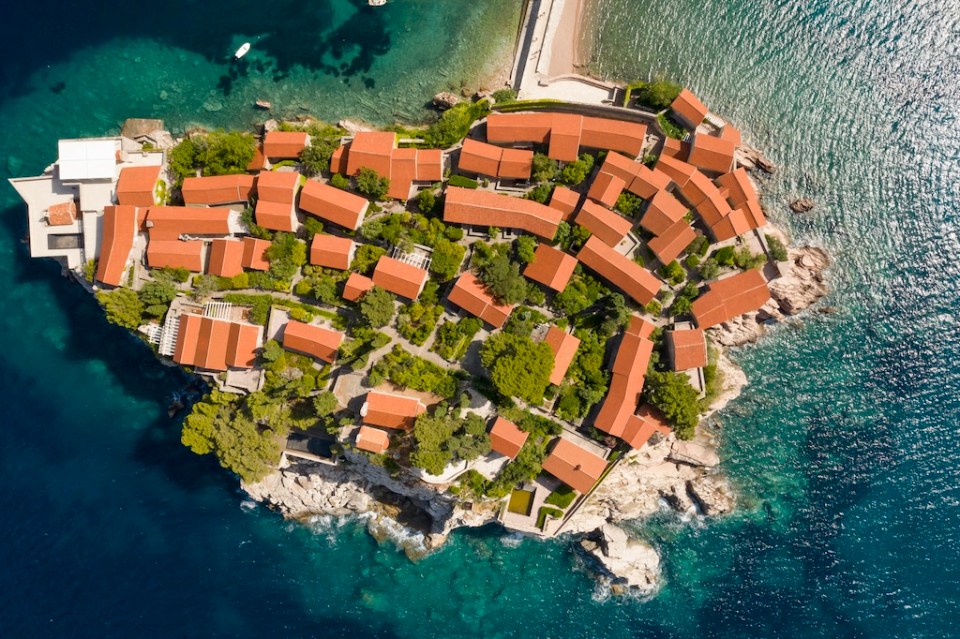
(331, 251)
(315, 341)
(663, 212)
(617, 269)
(333, 205)
(373, 440)
(355, 286)
(391, 410)
(673, 242)
(175, 254)
(170, 222)
(506, 438)
(551, 267)
(606, 188)
(641, 427)
(687, 348)
(485, 208)
(285, 145)
(709, 153)
(565, 201)
(564, 347)
(116, 242)
(603, 223)
(730, 297)
(217, 189)
(215, 344)
(226, 258)
(136, 184)
(399, 277)
(688, 109)
(372, 150)
(628, 375)
(470, 294)
(577, 467)
(255, 254)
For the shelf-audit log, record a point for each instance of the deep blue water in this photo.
(844, 447)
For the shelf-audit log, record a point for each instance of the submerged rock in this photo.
(802, 205)
(446, 100)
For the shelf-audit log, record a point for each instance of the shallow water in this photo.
(843, 446)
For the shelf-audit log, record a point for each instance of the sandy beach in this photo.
(565, 48)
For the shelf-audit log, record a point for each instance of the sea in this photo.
(844, 448)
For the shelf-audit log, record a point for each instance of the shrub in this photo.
(545, 169)
(122, 307)
(441, 439)
(777, 250)
(673, 272)
(577, 171)
(724, 256)
(540, 193)
(315, 158)
(446, 259)
(709, 269)
(286, 255)
(653, 307)
(699, 246)
(454, 124)
(89, 270)
(692, 260)
(629, 204)
(426, 201)
(673, 396)
(744, 260)
(340, 181)
(503, 280)
(372, 184)
(408, 371)
(416, 321)
(657, 95)
(504, 95)
(156, 297)
(465, 182)
(453, 338)
(561, 497)
(366, 257)
(670, 129)
(526, 246)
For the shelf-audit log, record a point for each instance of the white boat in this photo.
(376, 3)
(242, 51)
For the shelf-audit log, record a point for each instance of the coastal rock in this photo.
(630, 564)
(446, 100)
(352, 126)
(694, 454)
(712, 495)
(802, 205)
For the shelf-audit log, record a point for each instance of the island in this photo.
(515, 315)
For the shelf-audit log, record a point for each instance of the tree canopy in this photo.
(372, 184)
(672, 394)
(122, 307)
(376, 307)
(519, 367)
(503, 279)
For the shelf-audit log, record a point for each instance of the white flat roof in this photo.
(90, 159)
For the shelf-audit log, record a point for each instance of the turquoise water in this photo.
(844, 446)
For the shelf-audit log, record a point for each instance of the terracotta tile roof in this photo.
(516, 164)
(617, 269)
(372, 440)
(485, 208)
(648, 182)
(331, 251)
(739, 187)
(275, 216)
(577, 467)
(217, 189)
(510, 128)
(403, 172)
(285, 145)
(603, 223)
(355, 286)
(730, 297)
(551, 267)
(470, 294)
(677, 170)
(255, 254)
(226, 258)
(674, 148)
(276, 193)
(175, 254)
(731, 226)
(136, 184)
(754, 213)
(315, 341)
(506, 438)
(565, 137)
(709, 153)
(564, 347)
(215, 344)
(704, 196)
(170, 222)
(333, 205)
(663, 212)
(116, 242)
(673, 242)
(606, 188)
(619, 166)
(258, 161)
(565, 201)
(399, 277)
(627, 377)
(390, 410)
(613, 135)
(731, 133)
(372, 150)
(479, 157)
(641, 427)
(429, 165)
(62, 213)
(688, 109)
(338, 161)
(687, 348)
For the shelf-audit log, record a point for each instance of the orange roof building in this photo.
(648, 182)
(613, 135)
(603, 223)
(730, 297)
(216, 344)
(688, 109)
(62, 213)
(564, 347)
(315, 341)
(116, 242)
(285, 145)
(730, 226)
(686, 348)
(642, 426)
(516, 164)
(576, 467)
(565, 200)
(485, 208)
(136, 185)
(678, 171)
(673, 242)
(706, 199)
(371, 150)
(470, 294)
(480, 158)
(664, 211)
(373, 440)
(333, 205)
(606, 188)
(355, 287)
(711, 154)
(739, 188)
(627, 377)
(217, 189)
(506, 438)
(226, 258)
(731, 134)
(391, 410)
(331, 251)
(175, 254)
(511, 128)
(255, 254)
(617, 269)
(674, 148)
(277, 194)
(399, 277)
(551, 267)
(565, 133)
(378, 151)
(170, 222)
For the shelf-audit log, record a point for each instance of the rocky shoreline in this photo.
(666, 474)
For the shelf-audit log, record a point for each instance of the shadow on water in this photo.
(291, 34)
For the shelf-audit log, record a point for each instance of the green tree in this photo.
(709, 269)
(156, 297)
(377, 306)
(629, 204)
(540, 193)
(286, 255)
(366, 257)
(657, 95)
(526, 246)
(454, 124)
(777, 250)
(672, 394)
(502, 96)
(673, 272)
(312, 226)
(519, 367)
(503, 280)
(340, 181)
(446, 259)
(372, 184)
(545, 169)
(325, 404)
(223, 153)
(577, 171)
(315, 158)
(122, 306)
(426, 201)
(183, 161)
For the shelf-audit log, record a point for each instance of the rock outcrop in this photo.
(629, 564)
(802, 205)
(446, 100)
